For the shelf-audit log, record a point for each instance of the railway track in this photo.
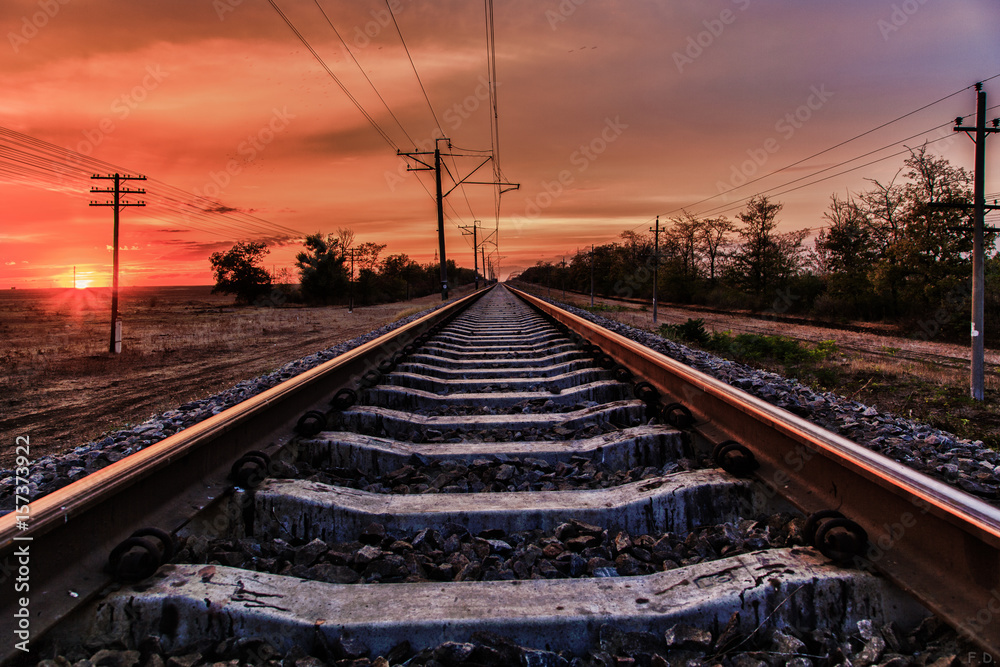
(495, 484)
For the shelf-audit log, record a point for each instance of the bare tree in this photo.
(345, 239)
(885, 205)
(715, 233)
(685, 232)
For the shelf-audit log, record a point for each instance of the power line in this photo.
(729, 206)
(413, 65)
(378, 128)
(363, 73)
(827, 150)
(427, 98)
(385, 136)
(35, 162)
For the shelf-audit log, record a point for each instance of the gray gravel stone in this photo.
(911, 443)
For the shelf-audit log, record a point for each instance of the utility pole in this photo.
(417, 156)
(475, 249)
(656, 261)
(979, 207)
(115, 344)
(440, 212)
(350, 286)
(591, 275)
(564, 277)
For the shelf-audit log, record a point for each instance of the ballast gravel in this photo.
(931, 644)
(574, 549)
(968, 465)
(495, 473)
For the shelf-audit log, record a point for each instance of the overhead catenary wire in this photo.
(371, 120)
(730, 205)
(427, 99)
(363, 73)
(491, 67)
(378, 128)
(414, 66)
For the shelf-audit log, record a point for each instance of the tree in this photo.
(400, 274)
(684, 232)
(848, 244)
(715, 234)
(765, 259)
(366, 255)
(345, 238)
(933, 251)
(238, 271)
(322, 275)
(846, 252)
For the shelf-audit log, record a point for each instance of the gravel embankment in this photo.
(962, 463)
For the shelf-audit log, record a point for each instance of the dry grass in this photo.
(406, 312)
(60, 387)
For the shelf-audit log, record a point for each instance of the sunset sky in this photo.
(611, 112)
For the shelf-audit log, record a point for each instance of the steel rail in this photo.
(934, 541)
(71, 531)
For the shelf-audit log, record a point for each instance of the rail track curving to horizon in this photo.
(496, 483)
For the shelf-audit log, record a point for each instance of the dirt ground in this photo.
(880, 365)
(61, 387)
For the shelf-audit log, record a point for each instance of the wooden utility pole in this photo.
(591, 275)
(979, 207)
(440, 212)
(350, 286)
(564, 277)
(114, 346)
(656, 261)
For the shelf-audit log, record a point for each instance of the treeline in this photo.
(325, 267)
(889, 253)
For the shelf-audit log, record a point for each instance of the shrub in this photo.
(692, 331)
